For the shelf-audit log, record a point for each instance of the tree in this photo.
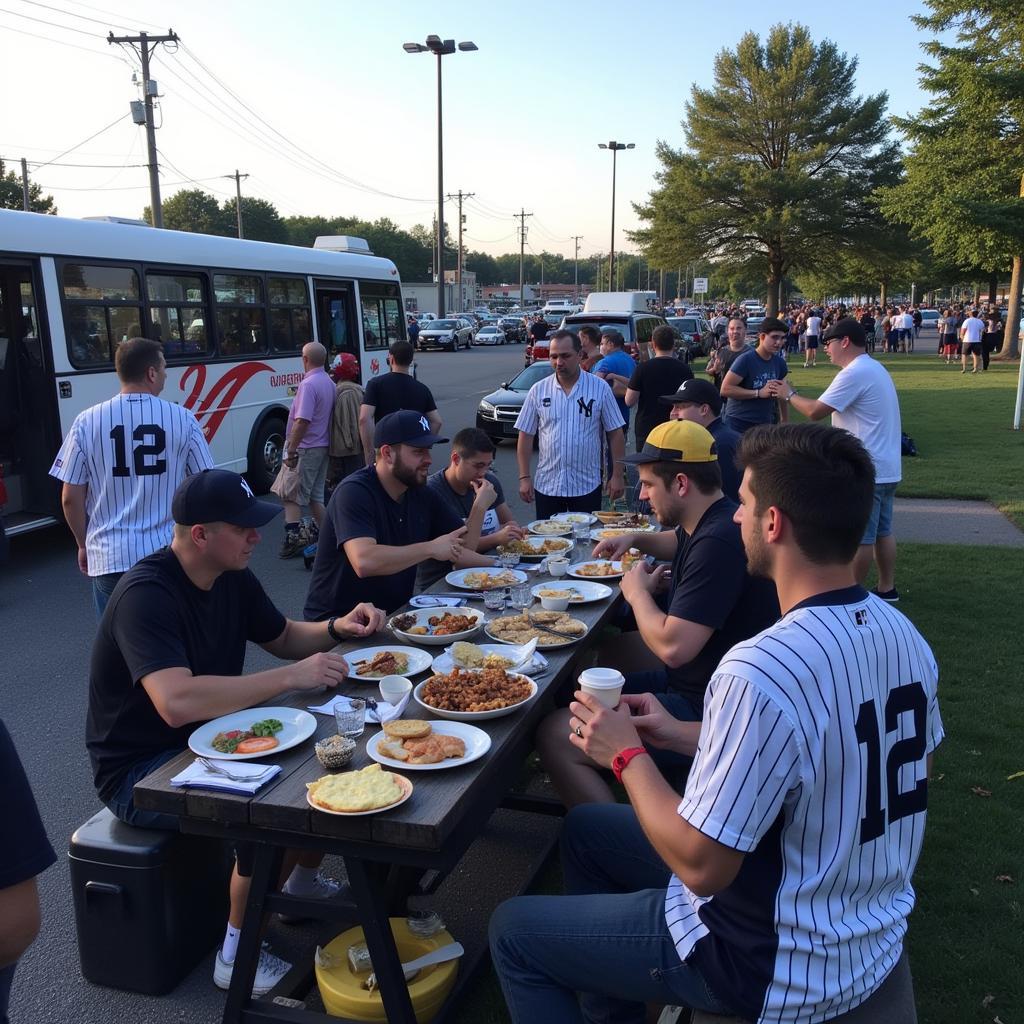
(781, 159)
(964, 186)
(192, 209)
(260, 220)
(12, 195)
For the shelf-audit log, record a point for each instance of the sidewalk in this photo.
(948, 521)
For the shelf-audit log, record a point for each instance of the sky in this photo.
(320, 105)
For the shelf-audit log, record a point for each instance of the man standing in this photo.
(121, 462)
(459, 486)
(412, 329)
(346, 449)
(813, 333)
(862, 399)
(170, 654)
(779, 888)
(571, 414)
(652, 379)
(722, 358)
(616, 367)
(307, 437)
(392, 391)
(971, 332)
(699, 402)
(382, 521)
(752, 384)
(590, 346)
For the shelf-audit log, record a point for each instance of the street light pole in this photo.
(614, 147)
(440, 48)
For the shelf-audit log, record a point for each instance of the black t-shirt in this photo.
(25, 851)
(393, 391)
(158, 618)
(711, 586)
(727, 441)
(659, 376)
(360, 507)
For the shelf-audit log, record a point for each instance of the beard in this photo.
(758, 562)
(408, 476)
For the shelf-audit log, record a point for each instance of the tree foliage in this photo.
(781, 159)
(11, 194)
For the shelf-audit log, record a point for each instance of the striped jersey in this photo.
(571, 429)
(131, 452)
(811, 762)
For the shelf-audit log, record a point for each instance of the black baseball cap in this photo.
(846, 328)
(219, 496)
(695, 392)
(405, 427)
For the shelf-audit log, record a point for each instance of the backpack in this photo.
(907, 446)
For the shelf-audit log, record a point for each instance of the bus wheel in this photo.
(265, 454)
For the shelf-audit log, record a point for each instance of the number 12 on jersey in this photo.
(907, 698)
(140, 452)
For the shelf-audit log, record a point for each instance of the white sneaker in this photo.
(324, 888)
(269, 971)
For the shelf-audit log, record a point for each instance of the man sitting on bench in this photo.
(169, 655)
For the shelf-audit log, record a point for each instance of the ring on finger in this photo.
(578, 731)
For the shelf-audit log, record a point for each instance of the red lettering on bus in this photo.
(226, 389)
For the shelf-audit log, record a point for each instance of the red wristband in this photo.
(622, 758)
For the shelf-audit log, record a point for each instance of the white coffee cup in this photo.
(604, 684)
(558, 566)
(394, 688)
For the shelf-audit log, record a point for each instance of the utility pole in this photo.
(521, 217)
(24, 185)
(238, 197)
(576, 274)
(460, 195)
(661, 287)
(144, 45)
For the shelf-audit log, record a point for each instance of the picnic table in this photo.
(430, 832)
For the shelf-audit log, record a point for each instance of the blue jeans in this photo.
(102, 588)
(606, 939)
(880, 521)
(6, 978)
(122, 803)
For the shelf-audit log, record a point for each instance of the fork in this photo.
(212, 766)
(547, 629)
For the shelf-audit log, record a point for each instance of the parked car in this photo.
(695, 333)
(635, 328)
(754, 321)
(498, 411)
(513, 328)
(445, 334)
(929, 318)
(489, 334)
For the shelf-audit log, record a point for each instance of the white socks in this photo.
(302, 881)
(230, 947)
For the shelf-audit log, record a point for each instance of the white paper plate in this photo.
(406, 793)
(419, 661)
(575, 517)
(536, 542)
(297, 726)
(574, 570)
(548, 528)
(476, 740)
(422, 617)
(588, 592)
(457, 578)
(550, 642)
(474, 716)
(610, 532)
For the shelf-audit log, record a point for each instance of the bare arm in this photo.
(72, 500)
(810, 407)
(368, 558)
(674, 641)
(434, 419)
(732, 387)
(19, 911)
(299, 428)
(302, 639)
(632, 397)
(524, 449)
(366, 431)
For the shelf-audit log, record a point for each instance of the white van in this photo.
(560, 307)
(619, 302)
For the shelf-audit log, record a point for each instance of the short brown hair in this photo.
(472, 441)
(561, 335)
(402, 352)
(664, 338)
(134, 357)
(705, 476)
(591, 333)
(820, 477)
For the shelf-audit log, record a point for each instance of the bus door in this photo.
(29, 430)
(336, 323)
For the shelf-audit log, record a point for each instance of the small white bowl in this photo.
(554, 604)
(394, 688)
(558, 566)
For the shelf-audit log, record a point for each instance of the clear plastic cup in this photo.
(494, 599)
(520, 596)
(350, 716)
(604, 684)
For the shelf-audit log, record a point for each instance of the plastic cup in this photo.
(350, 716)
(394, 688)
(603, 684)
(494, 600)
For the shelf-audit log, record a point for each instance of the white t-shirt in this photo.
(907, 321)
(814, 326)
(864, 398)
(131, 452)
(973, 329)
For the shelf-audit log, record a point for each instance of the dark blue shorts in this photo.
(672, 765)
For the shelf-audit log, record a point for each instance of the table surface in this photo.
(440, 800)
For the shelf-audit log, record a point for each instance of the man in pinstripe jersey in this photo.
(779, 888)
(121, 462)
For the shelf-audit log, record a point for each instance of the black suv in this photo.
(635, 328)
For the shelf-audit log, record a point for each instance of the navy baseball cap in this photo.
(405, 427)
(695, 391)
(219, 496)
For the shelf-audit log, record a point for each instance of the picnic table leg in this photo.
(370, 895)
(266, 869)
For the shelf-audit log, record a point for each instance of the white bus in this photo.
(232, 316)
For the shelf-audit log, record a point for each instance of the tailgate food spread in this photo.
(383, 663)
(470, 656)
(366, 790)
(598, 569)
(488, 580)
(437, 625)
(257, 738)
(548, 546)
(517, 629)
(413, 740)
(465, 690)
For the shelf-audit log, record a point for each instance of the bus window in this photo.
(177, 311)
(241, 320)
(290, 322)
(103, 307)
(383, 322)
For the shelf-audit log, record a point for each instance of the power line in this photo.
(51, 163)
(60, 42)
(72, 14)
(78, 145)
(124, 188)
(111, 14)
(194, 181)
(52, 24)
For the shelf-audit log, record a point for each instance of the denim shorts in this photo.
(880, 523)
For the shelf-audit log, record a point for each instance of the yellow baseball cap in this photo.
(676, 441)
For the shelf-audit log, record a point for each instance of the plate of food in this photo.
(578, 593)
(485, 579)
(258, 732)
(517, 629)
(436, 627)
(550, 527)
(608, 532)
(470, 695)
(370, 664)
(584, 518)
(537, 548)
(600, 568)
(492, 656)
(626, 520)
(352, 794)
(418, 745)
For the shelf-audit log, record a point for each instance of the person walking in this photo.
(651, 380)
(120, 465)
(752, 383)
(812, 331)
(992, 340)
(304, 460)
(971, 332)
(345, 453)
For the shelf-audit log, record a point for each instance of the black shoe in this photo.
(293, 544)
(892, 596)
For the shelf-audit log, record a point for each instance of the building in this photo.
(421, 296)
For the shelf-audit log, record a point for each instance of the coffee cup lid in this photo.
(602, 678)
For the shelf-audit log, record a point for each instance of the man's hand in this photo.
(292, 460)
(83, 561)
(641, 579)
(448, 547)
(605, 732)
(774, 389)
(509, 532)
(616, 485)
(650, 719)
(526, 490)
(363, 620)
(485, 493)
(319, 670)
(613, 547)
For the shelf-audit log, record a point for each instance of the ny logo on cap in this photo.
(424, 424)
(247, 489)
